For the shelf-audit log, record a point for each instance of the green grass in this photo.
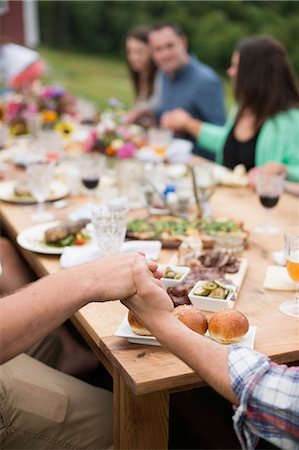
(95, 78)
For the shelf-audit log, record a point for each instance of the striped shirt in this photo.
(269, 399)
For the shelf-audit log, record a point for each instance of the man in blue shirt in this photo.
(186, 82)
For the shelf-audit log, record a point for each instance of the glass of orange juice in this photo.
(291, 246)
(159, 139)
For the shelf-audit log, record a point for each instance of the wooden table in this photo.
(144, 376)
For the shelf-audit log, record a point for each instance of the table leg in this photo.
(140, 421)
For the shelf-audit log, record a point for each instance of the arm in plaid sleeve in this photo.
(269, 399)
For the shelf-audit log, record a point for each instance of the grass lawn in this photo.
(95, 78)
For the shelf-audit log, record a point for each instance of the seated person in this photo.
(40, 407)
(143, 73)
(19, 66)
(14, 273)
(265, 395)
(186, 82)
(265, 128)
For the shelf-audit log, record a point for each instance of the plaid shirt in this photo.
(269, 399)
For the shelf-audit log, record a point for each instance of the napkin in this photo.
(277, 279)
(279, 258)
(73, 256)
(84, 212)
(150, 248)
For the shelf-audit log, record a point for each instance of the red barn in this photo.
(19, 22)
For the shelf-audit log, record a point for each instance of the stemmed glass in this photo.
(291, 247)
(39, 178)
(91, 170)
(268, 188)
(203, 186)
(110, 225)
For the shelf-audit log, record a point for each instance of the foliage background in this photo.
(213, 27)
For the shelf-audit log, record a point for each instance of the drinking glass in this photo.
(268, 188)
(291, 248)
(203, 186)
(110, 225)
(91, 170)
(159, 139)
(39, 178)
(34, 123)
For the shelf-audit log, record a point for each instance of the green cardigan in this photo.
(277, 141)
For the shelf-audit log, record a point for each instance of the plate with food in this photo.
(172, 231)
(52, 237)
(19, 192)
(210, 266)
(219, 327)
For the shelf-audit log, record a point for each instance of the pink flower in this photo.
(126, 151)
(90, 141)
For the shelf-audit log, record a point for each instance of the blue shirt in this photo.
(196, 88)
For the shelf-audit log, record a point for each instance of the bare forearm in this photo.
(207, 358)
(193, 127)
(30, 314)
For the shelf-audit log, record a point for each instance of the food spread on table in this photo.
(172, 231)
(210, 266)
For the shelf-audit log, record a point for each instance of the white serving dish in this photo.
(124, 330)
(170, 282)
(210, 303)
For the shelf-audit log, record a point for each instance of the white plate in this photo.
(58, 190)
(124, 330)
(31, 239)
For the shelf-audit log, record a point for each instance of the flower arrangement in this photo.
(50, 101)
(113, 136)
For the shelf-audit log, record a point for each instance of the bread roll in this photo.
(192, 318)
(228, 326)
(137, 326)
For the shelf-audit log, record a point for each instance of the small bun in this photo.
(192, 318)
(228, 326)
(137, 326)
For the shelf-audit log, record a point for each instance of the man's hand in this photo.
(112, 277)
(151, 302)
(179, 120)
(176, 120)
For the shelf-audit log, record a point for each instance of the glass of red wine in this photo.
(268, 188)
(91, 170)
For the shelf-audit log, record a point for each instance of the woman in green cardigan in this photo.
(264, 131)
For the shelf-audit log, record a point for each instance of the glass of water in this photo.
(40, 177)
(110, 225)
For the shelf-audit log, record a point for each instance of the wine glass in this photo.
(91, 170)
(291, 247)
(39, 178)
(203, 186)
(269, 188)
(110, 225)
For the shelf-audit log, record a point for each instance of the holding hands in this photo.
(151, 303)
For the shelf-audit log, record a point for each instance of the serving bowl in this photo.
(181, 271)
(211, 303)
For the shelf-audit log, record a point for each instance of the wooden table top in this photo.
(148, 369)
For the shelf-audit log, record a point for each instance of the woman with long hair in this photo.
(264, 131)
(142, 70)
